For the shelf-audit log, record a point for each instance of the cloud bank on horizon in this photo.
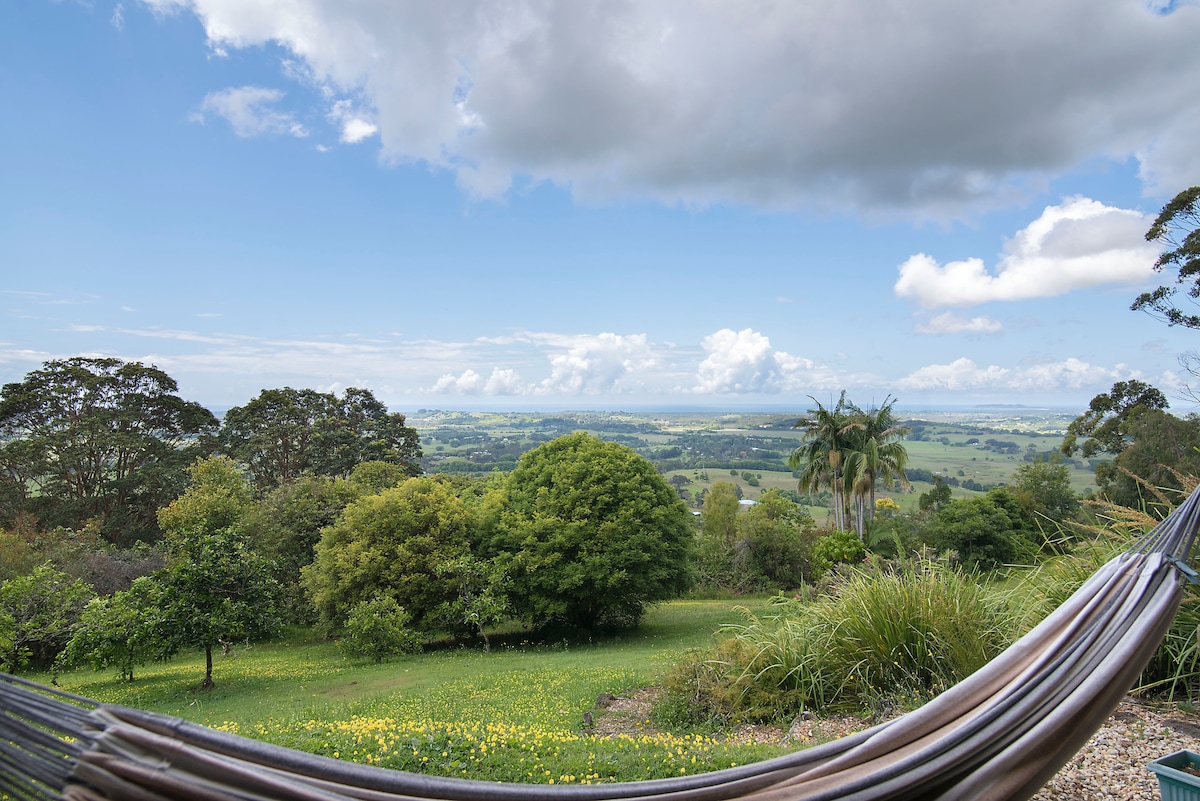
(938, 115)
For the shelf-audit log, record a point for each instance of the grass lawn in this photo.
(515, 714)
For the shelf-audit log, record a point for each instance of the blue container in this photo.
(1174, 782)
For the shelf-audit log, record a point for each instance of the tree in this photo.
(592, 534)
(482, 595)
(874, 454)
(38, 614)
(216, 589)
(285, 526)
(377, 628)
(391, 543)
(848, 449)
(719, 513)
(937, 497)
(286, 433)
(1161, 448)
(98, 439)
(1101, 423)
(820, 460)
(122, 630)
(1177, 226)
(779, 535)
(988, 532)
(1044, 488)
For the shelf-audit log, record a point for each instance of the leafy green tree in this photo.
(482, 595)
(592, 534)
(286, 433)
(1178, 227)
(718, 516)
(779, 535)
(1044, 488)
(285, 527)
(215, 590)
(836, 547)
(98, 439)
(988, 532)
(391, 543)
(936, 497)
(1161, 450)
(378, 628)
(38, 614)
(1101, 424)
(122, 630)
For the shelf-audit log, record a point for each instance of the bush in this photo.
(834, 548)
(38, 613)
(899, 637)
(378, 628)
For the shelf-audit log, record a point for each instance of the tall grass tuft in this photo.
(881, 639)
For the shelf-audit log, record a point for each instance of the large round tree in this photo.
(592, 534)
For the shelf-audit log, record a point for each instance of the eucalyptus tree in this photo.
(97, 440)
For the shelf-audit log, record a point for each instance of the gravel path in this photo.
(1112, 765)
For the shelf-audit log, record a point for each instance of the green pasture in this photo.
(516, 714)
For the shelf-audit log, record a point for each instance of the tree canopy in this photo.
(592, 534)
(286, 433)
(1100, 425)
(97, 440)
(1178, 228)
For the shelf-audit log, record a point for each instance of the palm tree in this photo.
(848, 450)
(875, 453)
(821, 457)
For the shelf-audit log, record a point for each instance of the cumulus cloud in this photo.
(951, 323)
(1077, 244)
(743, 362)
(965, 375)
(249, 111)
(937, 108)
(501, 382)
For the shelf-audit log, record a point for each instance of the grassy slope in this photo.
(514, 715)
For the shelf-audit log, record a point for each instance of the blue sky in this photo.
(597, 205)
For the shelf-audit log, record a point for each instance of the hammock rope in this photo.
(1001, 733)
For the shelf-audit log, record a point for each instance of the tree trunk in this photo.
(207, 684)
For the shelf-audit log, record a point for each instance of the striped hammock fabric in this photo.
(999, 734)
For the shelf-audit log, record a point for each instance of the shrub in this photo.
(834, 548)
(900, 637)
(38, 613)
(378, 628)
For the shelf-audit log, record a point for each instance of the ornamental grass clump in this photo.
(890, 639)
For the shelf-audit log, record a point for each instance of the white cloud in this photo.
(356, 130)
(248, 110)
(1080, 243)
(937, 108)
(951, 323)
(744, 363)
(964, 375)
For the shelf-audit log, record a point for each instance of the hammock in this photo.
(999, 734)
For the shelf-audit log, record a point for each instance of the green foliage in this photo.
(38, 613)
(987, 532)
(482, 595)
(391, 543)
(1101, 424)
(591, 534)
(1178, 226)
(286, 433)
(378, 628)
(122, 630)
(936, 497)
(719, 514)
(898, 637)
(285, 526)
(96, 439)
(1044, 488)
(1161, 449)
(216, 589)
(833, 548)
(779, 535)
